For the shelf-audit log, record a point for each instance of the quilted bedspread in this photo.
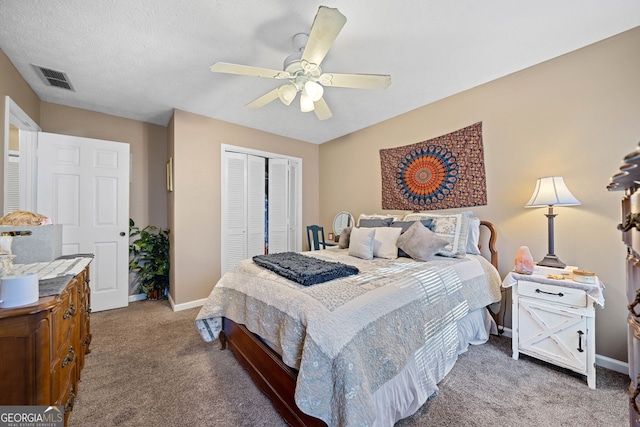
(349, 336)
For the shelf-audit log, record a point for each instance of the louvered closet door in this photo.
(295, 194)
(278, 205)
(234, 220)
(255, 205)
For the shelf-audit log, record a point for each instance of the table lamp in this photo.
(551, 191)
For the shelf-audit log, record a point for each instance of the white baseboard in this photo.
(612, 364)
(186, 305)
(137, 297)
(603, 361)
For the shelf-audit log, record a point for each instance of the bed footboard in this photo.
(269, 373)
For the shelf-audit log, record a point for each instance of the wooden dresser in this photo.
(626, 181)
(43, 346)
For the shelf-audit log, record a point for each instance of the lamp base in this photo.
(551, 261)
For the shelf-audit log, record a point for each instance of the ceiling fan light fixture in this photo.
(313, 90)
(306, 103)
(287, 93)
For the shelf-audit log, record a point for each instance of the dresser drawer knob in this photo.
(630, 221)
(70, 357)
(70, 401)
(632, 399)
(632, 306)
(560, 294)
(71, 311)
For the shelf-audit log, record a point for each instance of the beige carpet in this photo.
(149, 367)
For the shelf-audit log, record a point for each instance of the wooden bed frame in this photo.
(272, 376)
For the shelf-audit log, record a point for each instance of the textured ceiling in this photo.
(140, 59)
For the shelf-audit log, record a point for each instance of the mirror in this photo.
(342, 220)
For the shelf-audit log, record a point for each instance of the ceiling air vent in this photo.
(53, 77)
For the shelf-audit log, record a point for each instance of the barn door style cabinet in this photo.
(626, 181)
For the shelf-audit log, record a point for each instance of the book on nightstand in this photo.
(543, 271)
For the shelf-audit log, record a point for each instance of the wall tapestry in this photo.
(440, 173)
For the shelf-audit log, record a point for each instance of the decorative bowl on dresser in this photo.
(43, 345)
(627, 180)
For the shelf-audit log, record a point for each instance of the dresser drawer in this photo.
(64, 372)
(65, 316)
(556, 294)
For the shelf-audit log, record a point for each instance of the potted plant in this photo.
(149, 259)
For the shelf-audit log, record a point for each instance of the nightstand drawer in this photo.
(557, 294)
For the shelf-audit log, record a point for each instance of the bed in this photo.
(331, 354)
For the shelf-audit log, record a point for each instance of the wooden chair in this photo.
(315, 235)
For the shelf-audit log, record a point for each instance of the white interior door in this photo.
(83, 184)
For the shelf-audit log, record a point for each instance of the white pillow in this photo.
(361, 242)
(452, 227)
(473, 239)
(385, 242)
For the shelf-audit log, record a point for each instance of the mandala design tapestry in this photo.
(440, 173)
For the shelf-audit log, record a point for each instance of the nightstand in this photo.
(554, 320)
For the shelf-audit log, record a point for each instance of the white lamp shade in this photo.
(306, 103)
(287, 93)
(313, 90)
(551, 191)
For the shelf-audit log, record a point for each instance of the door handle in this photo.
(580, 334)
(122, 233)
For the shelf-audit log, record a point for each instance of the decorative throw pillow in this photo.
(343, 240)
(420, 243)
(375, 222)
(452, 227)
(384, 242)
(404, 226)
(361, 242)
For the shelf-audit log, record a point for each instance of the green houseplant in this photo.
(149, 259)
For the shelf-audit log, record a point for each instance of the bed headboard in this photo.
(491, 242)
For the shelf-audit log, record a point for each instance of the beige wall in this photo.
(148, 145)
(196, 199)
(575, 116)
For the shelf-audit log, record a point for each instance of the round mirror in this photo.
(343, 220)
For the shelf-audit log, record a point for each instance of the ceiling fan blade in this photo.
(246, 70)
(324, 30)
(264, 99)
(322, 109)
(358, 81)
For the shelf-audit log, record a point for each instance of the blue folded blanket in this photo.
(303, 269)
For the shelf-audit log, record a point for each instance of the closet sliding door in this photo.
(243, 193)
(278, 205)
(261, 208)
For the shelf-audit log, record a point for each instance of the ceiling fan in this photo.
(302, 69)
